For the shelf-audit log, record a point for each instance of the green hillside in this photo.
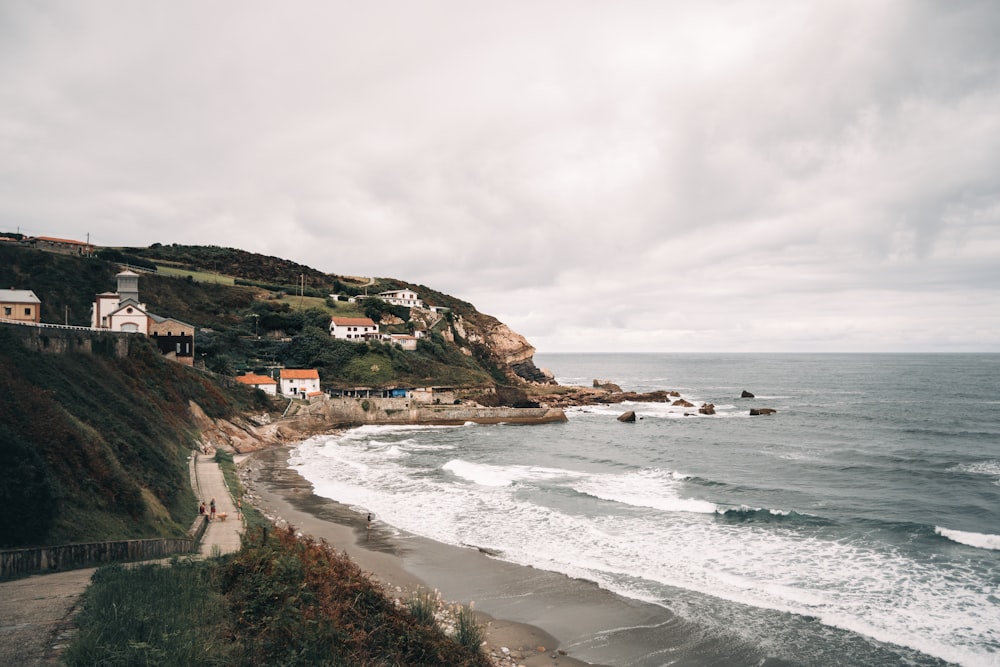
(268, 313)
(94, 447)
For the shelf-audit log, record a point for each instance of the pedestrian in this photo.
(212, 510)
(369, 521)
(239, 507)
(201, 509)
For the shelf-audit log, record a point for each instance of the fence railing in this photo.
(34, 560)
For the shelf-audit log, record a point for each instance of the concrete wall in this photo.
(19, 562)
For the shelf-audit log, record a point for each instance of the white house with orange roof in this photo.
(353, 328)
(266, 384)
(299, 382)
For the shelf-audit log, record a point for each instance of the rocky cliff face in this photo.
(510, 350)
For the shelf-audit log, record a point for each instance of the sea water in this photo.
(858, 525)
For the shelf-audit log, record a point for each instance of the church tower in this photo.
(128, 286)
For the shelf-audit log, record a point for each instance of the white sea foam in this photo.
(491, 475)
(657, 538)
(656, 489)
(978, 540)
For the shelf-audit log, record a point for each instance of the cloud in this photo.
(765, 175)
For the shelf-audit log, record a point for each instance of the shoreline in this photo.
(403, 563)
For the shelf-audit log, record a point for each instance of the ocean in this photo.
(859, 525)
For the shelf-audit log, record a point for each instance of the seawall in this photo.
(346, 411)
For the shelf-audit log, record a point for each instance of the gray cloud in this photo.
(765, 175)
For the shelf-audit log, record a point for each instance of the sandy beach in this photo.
(524, 609)
(501, 591)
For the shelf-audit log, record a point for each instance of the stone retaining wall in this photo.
(356, 411)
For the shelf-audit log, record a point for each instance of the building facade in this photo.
(353, 328)
(20, 305)
(122, 311)
(402, 297)
(299, 382)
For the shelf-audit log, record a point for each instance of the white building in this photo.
(299, 382)
(352, 328)
(402, 297)
(405, 341)
(266, 384)
(121, 310)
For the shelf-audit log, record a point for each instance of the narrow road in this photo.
(36, 613)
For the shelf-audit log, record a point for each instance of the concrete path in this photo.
(221, 536)
(36, 613)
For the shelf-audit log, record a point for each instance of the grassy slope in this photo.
(94, 447)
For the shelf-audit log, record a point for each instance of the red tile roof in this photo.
(299, 374)
(250, 378)
(52, 239)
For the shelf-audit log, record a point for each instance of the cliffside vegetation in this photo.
(282, 600)
(253, 312)
(94, 447)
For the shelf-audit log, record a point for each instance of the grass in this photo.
(343, 309)
(280, 600)
(197, 276)
(152, 615)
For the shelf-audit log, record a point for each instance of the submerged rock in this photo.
(762, 411)
(746, 394)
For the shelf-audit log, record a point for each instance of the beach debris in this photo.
(762, 411)
(628, 417)
(746, 394)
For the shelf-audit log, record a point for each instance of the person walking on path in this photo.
(212, 511)
(201, 509)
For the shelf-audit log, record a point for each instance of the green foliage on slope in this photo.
(94, 447)
(249, 327)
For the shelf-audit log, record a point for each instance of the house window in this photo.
(27, 312)
(7, 310)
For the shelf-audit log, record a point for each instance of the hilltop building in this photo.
(20, 305)
(61, 246)
(402, 297)
(299, 382)
(122, 311)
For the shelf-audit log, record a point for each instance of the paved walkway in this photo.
(36, 613)
(209, 482)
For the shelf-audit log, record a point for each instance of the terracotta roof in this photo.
(299, 374)
(52, 239)
(250, 378)
(353, 322)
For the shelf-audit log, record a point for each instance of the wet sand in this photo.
(404, 563)
(575, 621)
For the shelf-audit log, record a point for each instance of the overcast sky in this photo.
(760, 176)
